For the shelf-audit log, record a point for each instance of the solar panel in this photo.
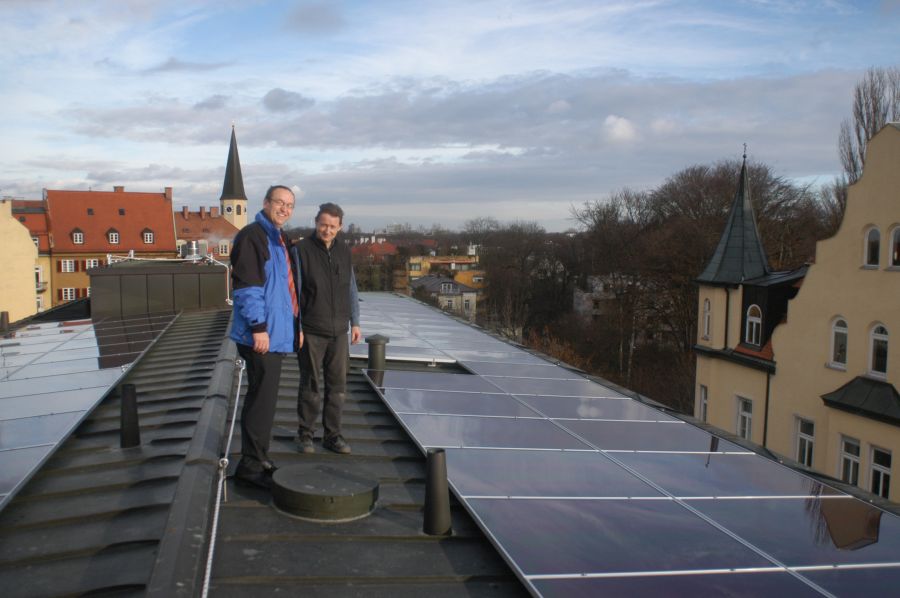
(585, 491)
(51, 376)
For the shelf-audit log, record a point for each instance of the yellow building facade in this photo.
(18, 292)
(807, 363)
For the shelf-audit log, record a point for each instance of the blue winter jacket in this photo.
(262, 298)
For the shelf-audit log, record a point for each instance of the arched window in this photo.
(873, 246)
(238, 209)
(707, 318)
(895, 247)
(878, 352)
(753, 329)
(839, 343)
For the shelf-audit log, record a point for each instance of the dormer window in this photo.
(77, 237)
(147, 236)
(753, 329)
(90, 211)
(446, 287)
(112, 235)
(121, 211)
(873, 246)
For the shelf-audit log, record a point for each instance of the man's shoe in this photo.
(257, 479)
(305, 445)
(337, 444)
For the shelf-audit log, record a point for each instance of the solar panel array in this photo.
(587, 492)
(51, 376)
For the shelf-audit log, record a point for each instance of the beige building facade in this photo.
(18, 291)
(807, 363)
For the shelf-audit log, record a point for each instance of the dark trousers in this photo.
(331, 354)
(258, 413)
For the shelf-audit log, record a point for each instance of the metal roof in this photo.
(740, 254)
(875, 399)
(233, 185)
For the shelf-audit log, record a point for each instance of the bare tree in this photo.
(876, 101)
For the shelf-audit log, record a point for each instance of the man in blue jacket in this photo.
(264, 326)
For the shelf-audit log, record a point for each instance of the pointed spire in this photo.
(233, 187)
(739, 255)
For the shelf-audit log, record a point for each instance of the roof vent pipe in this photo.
(4, 321)
(190, 250)
(437, 495)
(129, 428)
(377, 344)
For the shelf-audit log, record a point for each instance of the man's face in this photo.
(327, 227)
(279, 207)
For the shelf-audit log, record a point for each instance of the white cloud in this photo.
(619, 129)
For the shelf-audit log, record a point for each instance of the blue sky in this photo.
(429, 111)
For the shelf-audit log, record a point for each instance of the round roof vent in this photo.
(324, 492)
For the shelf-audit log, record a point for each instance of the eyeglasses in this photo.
(280, 203)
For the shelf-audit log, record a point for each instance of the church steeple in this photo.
(233, 199)
(739, 255)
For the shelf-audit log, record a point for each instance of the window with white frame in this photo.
(878, 349)
(449, 304)
(850, 460)
(446, 287)
(67, 266)
(39, 299)
(873, 246)
(839, 343)
(223, 247)
(707, 318)
(38, 275)
(91, 263)
(415, 267)
(467, 305)
(113, 237)
(36, 241)
(745, 418)
(148, 237)
(806, 431)
(78, 238)
(753, 330)
(68, 294)
(478, 279)
(880, 474)
(895, 247)
(704, 403)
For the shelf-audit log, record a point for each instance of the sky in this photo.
(426, 112)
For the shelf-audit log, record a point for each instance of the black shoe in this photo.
(337, 444)
(257, 478)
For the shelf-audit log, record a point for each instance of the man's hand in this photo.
(261, 342)
(300, 341)
(355, 335)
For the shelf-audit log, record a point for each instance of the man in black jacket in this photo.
(328, 304)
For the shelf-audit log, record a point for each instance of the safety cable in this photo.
(221, 491)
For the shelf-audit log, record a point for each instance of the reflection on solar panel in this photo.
(587, 492)
(51, 376)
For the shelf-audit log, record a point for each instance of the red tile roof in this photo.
(204, 224)
(96, 213)
(33, 214)
(375, 250)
